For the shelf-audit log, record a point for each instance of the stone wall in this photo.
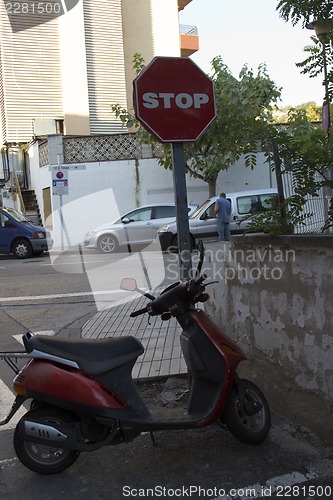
(274, 297)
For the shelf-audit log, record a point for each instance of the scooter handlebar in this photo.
(200, 280)
(178, 296)
(139, 312)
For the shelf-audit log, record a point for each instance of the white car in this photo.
(203, 222)
(138, 227)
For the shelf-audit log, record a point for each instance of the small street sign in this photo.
(67, 167)
(59, 182)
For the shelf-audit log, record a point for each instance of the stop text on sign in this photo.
(151, 100)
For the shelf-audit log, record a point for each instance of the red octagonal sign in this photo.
(174, 99)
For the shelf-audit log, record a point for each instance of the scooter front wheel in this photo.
(39, 457)
(250, 427)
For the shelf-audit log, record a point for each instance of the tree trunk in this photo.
(212, 187)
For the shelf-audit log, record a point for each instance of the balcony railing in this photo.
(185, 29)
(189, 40)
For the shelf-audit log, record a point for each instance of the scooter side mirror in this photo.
(129, 284)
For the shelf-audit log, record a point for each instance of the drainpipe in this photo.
(137, 183)
(6, 169)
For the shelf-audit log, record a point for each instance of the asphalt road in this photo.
(37, 294)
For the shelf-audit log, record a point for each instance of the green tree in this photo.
(244, 108)
(305, 152)
(319, 55)
(309, 150)
(304, 10)
(312, 110)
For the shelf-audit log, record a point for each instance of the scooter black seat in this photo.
(94, 356)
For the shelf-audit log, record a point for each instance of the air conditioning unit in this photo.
(46, 126)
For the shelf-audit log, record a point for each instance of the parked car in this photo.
(19, 236)
(202, 222)
(138, 227)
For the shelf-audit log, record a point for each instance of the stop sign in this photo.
(174, 99)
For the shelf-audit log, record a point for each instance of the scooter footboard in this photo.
(207, 370)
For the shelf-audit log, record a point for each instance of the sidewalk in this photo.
(161, 339)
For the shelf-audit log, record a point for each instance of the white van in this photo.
(202, 222)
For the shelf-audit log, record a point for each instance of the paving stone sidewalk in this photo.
(161, 339)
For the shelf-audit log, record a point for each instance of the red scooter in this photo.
(83, 395)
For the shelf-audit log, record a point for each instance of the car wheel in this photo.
(22, 249)
(174, 244)
(108, 244)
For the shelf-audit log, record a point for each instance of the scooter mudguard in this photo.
(231, 353)
(43, 379)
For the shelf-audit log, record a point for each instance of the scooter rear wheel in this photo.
(38, 457)
(250, 429)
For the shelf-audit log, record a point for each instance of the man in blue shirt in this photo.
(223, 211)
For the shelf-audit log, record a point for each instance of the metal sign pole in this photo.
(61, 223)
(179, 180)
(180, 108)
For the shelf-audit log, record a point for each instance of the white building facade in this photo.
(60, 74)
(110, 175)
(59, 77)
(65, 72)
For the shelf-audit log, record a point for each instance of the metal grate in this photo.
(101, 148)
(98, 148)
(157, 150)
(316, 207)
(43, 152)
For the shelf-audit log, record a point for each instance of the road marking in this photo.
(7, 462)
(6, 395)
(270, 487)
(86, 261)
(19, 338)
(6, 401)
(60, 295)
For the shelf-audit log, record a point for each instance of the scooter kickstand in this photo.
(152, 438)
